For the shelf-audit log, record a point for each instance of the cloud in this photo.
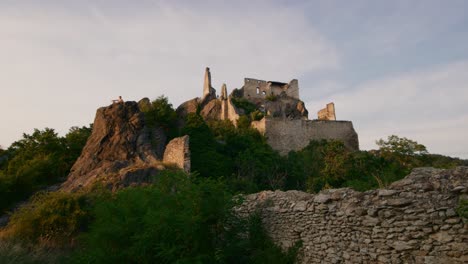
(60, 63)
(428, 106)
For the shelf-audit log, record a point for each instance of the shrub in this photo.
(52, 218)
(176, 220)
(462, 209)
(244, 104)
(271, 97)
(17, 253)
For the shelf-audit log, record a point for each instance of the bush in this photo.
(49, 219)
(38, 160)
(462, 209)
(244, 104)
(17, 253)
(176, 220)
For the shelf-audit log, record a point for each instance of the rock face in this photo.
(121, 150)
(413, 221)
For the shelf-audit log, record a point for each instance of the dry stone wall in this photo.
(414, 220)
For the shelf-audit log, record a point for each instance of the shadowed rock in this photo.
(120, 151)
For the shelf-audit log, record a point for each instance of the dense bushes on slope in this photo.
(36, 161)
(181, 218)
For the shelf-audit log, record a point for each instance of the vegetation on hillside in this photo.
(180, 218)
(37, 161)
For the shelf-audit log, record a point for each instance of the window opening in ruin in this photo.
(258, 90)
(264, 93)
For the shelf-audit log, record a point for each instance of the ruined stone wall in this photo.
(293, 90)
(250, 88)
(285, 135)
(328, 113)
(178, 152)
(412, 221)
(229, 111)
(258, 89)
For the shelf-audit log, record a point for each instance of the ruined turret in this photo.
(224, 92)
(209, 92)
(328, 113)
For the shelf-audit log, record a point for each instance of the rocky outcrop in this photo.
(121, 151)
(285, 107)
(414, 220)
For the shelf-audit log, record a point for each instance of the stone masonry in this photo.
(285, 124)
(328, 113)
(414, 220)
(285, 135)
(178, 152)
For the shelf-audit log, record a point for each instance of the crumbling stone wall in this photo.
(285, 135)
(328, 113)
(255, 90)
(412, 221)
(178, 152)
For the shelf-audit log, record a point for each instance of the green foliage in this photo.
(462, 208)
(262, 248)
(17, 253)
(206, 158)
(49, 218)
(75, 140)
(243, 122)
(328, 164)
(271, 97)
(256, 115)
(176, 220)
(403, 146)
(161, 113)
(244, 104)
(38, 160)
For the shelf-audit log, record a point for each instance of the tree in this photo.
(75, 140)
(403, 146)
(161, 113)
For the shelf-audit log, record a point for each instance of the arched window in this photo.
(258, 90)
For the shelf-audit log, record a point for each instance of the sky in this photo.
(392, 67)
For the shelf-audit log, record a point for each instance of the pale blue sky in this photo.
(392, 67)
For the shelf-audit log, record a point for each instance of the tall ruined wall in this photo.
(250, 88)
(413, 221)
(257, 90)
(229, 111)
(178, 152)
(328, 113)
(285, 135)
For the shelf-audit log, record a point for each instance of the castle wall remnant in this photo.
(259, 89)
(285, 123)
(285, 135)
(208, 91)
(413, 221)
(328, 113)
(178, 152)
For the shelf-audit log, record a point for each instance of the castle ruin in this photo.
(285, 121)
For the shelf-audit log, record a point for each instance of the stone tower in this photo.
(207, 83)
(328, 113)
(209, 92)
(224, 95)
